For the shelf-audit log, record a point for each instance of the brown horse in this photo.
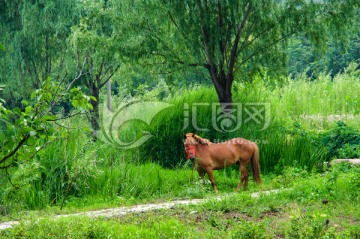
(206, 157)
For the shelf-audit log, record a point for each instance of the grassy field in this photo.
(317, 206)
(310, 122)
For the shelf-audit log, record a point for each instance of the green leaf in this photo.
(33, 95)
(28, 109)
(48, 118)
(4, 116)
(75, 103)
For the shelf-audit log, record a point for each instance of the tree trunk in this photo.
(108, 94)
(223, 85)
(224, 95)
(95, 115)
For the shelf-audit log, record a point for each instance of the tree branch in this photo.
(192, 64)
(245, 44)
(246, 39)
(233, 54)
(21, 142)
(264, 48)
(7, 166)
(109, 77)
(77, 76)
(98, 75)
(66, 117)
(177, 26)
(222, 43)
(172, 53)
(210, 61)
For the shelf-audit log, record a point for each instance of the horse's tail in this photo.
(255, 164)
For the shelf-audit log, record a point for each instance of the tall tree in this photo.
(232, 38)
(96, 45)
(34, 34)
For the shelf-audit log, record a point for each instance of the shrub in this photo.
(341, 142)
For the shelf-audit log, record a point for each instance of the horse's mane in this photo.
(201, 140)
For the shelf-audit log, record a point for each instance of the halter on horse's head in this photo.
(189, 145)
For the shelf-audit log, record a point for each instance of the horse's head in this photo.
(189, 145)
(190, 141)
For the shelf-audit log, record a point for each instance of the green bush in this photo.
(341, 142)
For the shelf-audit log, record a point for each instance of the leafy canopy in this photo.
(230, 39)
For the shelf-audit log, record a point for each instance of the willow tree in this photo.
(96, 46)
(231, 38)
(34, 34)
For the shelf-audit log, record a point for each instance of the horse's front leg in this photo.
(244, 177)
(209, 172)
(201, 172)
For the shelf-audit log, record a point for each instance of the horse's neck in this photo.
(200, 147)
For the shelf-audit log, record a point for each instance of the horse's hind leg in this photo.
(244, 177)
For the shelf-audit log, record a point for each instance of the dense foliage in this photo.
(26, 131)
(342, 142)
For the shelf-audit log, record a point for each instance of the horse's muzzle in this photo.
(190, 151)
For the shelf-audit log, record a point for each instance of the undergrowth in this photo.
(317, 206)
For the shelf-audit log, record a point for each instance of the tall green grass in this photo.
(78, 168)
(325, 99)
(292, 105)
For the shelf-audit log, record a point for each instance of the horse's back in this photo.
(234, 149)
(240, 143)
(243, 147)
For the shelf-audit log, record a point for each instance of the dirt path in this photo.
(120, 211)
